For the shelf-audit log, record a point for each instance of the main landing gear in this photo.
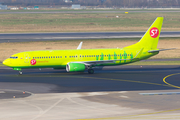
(90, 71)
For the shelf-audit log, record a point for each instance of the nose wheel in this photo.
(90, 71)
(20, 72)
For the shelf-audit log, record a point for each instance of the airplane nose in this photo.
(6, 62)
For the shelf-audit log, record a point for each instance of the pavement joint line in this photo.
(31, 94)
(52, 106)
(91, 107)
(35, 106)
(130, 116)
(164, 80)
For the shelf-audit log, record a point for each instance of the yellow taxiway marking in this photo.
(145, 114)
(120, 80)
(164, 80)
(142, 82)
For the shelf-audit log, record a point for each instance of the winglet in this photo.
(80, 45)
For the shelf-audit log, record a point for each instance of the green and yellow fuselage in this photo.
(60, 58)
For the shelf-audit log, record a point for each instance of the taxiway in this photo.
(110, 93)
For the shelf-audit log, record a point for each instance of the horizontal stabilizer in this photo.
(151, 51)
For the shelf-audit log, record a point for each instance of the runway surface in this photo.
(110, 93)
(25, 37)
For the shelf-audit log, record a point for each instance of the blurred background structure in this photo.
(96, 3)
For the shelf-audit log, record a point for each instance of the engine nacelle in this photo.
(75, 67)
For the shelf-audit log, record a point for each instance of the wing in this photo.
(108, 61)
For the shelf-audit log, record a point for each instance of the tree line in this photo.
(99, 3)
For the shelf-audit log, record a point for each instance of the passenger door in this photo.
(26, 58)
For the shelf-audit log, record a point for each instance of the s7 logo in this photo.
(154, 32)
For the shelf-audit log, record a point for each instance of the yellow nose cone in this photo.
(6, 62)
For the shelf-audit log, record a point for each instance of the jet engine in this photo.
(75, 67)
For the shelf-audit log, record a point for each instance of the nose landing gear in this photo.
(20, 72)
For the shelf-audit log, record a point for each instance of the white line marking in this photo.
(2, 92)
(124, 96)
(48, 109)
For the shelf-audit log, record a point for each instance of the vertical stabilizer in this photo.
(151, 37)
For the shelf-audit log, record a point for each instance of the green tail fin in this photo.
(151, 37)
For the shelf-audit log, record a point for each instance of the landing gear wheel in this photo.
(20, 72)
(90, 71)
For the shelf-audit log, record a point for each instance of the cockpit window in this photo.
(14, 57)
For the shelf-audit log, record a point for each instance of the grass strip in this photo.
(86, 22)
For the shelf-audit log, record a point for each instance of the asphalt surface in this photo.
(119, 78)
(25, 37)
(119, 92)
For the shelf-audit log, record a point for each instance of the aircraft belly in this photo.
(121, 62)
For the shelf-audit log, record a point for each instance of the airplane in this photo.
(79, 60)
